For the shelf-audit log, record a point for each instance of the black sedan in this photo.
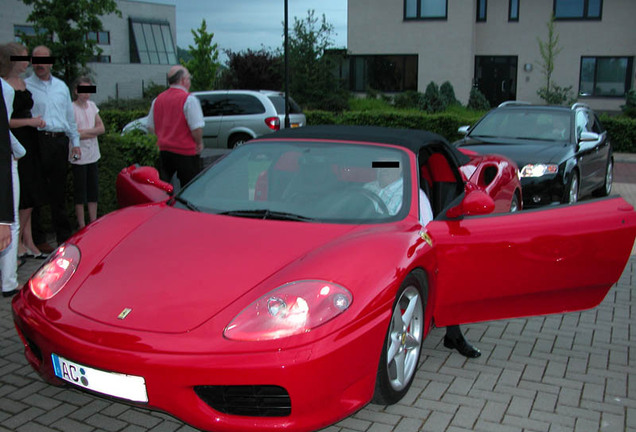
(563, 153)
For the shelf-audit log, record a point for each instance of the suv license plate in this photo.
(123, 386)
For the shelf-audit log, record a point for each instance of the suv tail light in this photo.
(273, 123)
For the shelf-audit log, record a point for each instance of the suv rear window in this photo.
(279, 104)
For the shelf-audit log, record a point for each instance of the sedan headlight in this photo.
(55, 273)
(538, 170)
(292, 309)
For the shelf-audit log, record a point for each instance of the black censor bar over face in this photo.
(86, 89)
(385, 164)
(20, 58)
(42, 60)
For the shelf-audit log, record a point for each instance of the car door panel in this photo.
(554, 260)
(212, 107)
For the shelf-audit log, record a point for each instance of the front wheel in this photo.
(402, 345)
(572, 191)
(606, 189)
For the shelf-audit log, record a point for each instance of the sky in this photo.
(239, 25)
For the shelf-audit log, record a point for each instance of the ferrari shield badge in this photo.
(426, 238)
(124, 313)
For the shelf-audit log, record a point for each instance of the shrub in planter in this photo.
(447, 93)
(477, 101)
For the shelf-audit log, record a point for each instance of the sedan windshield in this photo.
(304, 182)
(526, 125)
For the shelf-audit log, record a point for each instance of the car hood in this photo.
(177, 269)
(522, 152)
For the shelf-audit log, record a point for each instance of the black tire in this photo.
(606, 189)
(571, 195)
(514, 203)
(237, 140)
(403, 343)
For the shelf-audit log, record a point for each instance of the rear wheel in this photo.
(237, 140)
(403, 343)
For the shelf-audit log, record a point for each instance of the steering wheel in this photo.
(375, 198)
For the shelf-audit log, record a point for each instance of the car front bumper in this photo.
(542, 191)
(325, 381)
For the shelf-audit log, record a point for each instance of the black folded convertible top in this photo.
(412, 139)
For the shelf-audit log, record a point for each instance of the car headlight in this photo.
(538, 170)
(291, 309)
(55, 273)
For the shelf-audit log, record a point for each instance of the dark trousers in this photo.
(186, 167)
(54, 161)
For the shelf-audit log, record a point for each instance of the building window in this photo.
(384, 73)
(513, 10)
(101, 37)
(605, 76)
(151, 42)
(100, 59)
(578, 9)
(425, 9)
(23, 32)
(482, 6)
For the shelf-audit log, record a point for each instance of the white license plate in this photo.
(123, 386)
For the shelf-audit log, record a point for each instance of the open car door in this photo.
(553, 260)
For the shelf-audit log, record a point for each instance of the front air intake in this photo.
(252, 401)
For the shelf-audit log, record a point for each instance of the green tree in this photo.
(549, 49)
(253, 70)
(203, 65)
(312, 83)
(70, 21)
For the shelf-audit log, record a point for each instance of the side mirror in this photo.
(475, 203)
(589, 140)
(150, 175)
(463, 130)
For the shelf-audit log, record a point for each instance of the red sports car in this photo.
(295, 280)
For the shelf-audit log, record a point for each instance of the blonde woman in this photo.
(13, 63)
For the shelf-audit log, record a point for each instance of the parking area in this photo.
(573, 372)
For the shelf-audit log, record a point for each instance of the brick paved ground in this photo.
(573, 372)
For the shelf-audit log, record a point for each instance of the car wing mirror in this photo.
(475, 203)
(463, 130)
(589, 140)
(150, 175)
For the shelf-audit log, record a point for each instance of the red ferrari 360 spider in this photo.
(295, 280)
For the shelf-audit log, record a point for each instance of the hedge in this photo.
(115, 120)
(444, 124)
(622, 130)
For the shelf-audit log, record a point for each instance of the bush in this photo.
(115, 120)
(621, 131)
(629, 109)
(447, 93)
(318, 117)
(477, 101)
(557, 95)
(433, 102)
(410, 99)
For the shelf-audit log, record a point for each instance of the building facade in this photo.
(397, 45)
(137, 48)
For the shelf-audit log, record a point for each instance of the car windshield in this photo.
(525, 124)
(305, 181)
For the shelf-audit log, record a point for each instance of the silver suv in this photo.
(235, 116)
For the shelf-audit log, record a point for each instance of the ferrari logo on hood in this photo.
(124, 313)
